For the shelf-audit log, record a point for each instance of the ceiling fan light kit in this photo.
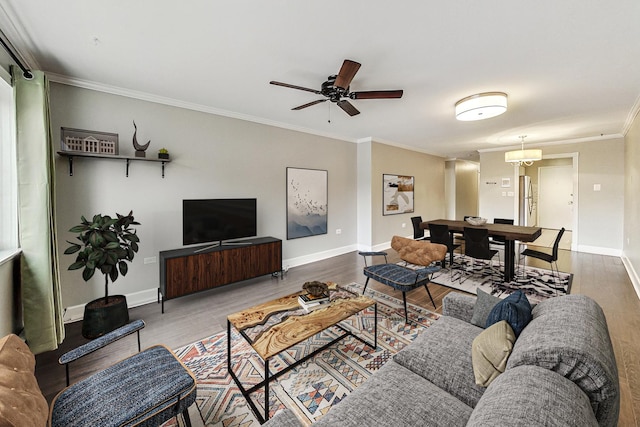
(523, 157)
(481, 106)
(336, 89)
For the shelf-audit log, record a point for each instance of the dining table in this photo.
(510, 233)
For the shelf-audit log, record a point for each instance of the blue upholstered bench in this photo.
(145, 389)
(398, 277)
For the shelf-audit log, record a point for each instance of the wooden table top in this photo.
(276, 325)
(508, 231)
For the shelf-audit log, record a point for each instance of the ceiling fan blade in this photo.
(300, 107)
(295, 87)
(347, 73)
(376, 94)
(348, 107)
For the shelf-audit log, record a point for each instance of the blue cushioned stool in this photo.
(145, 389)
(398, 277)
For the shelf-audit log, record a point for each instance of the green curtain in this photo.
(40, 278)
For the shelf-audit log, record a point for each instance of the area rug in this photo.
(537, 283)
(314, 386)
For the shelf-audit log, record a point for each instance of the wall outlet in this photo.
(404, 225)
(150, 260)
(338, 231)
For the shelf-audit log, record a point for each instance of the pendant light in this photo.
(523, 157)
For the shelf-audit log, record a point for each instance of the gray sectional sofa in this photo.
(561, 372)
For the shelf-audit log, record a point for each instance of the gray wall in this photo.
(428, 173)
(212, 157)
(600, 213)
(631, 235)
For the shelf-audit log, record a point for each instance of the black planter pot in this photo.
(101, 317)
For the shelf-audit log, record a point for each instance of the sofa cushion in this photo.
(532, 396)
(569, 335)
(21, 401)
(395, 396)
(442, 355)
(483, 306)
(515, 309)
(490, 351)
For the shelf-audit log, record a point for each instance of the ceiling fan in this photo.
(336, 90)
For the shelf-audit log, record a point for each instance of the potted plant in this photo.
(163, 153)
(106, 244)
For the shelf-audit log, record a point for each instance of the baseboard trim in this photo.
(76, 313)
(599, 250)
(318, 256)
(633, 274)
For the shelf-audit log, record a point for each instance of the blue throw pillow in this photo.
(515, 309)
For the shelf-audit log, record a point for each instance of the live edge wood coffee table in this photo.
(272, 327)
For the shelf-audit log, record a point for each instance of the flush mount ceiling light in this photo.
(481, 106)
(523, 157)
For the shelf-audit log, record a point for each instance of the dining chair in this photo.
(499, 240)
(418, 233)
(551, 258)
(440, 234)
(458, 236)
(476, 246)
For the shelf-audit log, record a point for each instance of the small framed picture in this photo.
(397, 194)
(88, 141)
(506, 182)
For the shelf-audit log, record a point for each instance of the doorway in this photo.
(555, 197)
(570, 161)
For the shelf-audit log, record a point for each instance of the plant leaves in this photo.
(76, 265)
(113, 274)
(105, 243)
(112, 245)
(87, 273)
(132, 237)
(72, 249)
(124, 268)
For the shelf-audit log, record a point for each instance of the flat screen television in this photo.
(215, 220)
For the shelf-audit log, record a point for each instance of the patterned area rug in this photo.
(314, 386)
(537, 283)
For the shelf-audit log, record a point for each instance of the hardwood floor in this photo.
(193, 317)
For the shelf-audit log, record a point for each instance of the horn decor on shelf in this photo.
(140, 149)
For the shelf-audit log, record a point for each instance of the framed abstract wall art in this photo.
(397, 194)
(306, 202)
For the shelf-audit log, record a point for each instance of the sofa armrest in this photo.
(284, 418)
(458, 305)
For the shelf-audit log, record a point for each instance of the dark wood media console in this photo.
(185, 271)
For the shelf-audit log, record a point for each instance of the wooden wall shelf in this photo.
(71, 154)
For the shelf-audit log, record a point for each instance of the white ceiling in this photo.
(571, 68)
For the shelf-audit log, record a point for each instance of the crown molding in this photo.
(144, 96)
(17, 36)
(550, 143)
(631, 117)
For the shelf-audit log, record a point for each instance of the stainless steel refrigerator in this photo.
(527, 208)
